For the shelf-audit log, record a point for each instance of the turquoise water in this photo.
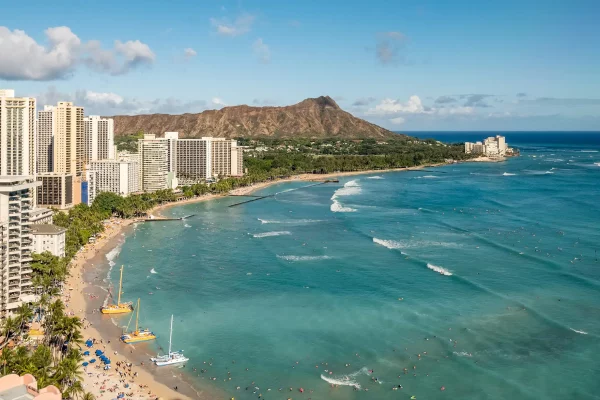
(488, 271)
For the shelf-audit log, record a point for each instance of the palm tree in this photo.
(88, 396)
(24, 313)
(9, 328)
(73, 390)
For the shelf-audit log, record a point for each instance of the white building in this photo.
(41, 216)
(491, 147)
(48, 237)
(16, 241)
(154, 168)
(17, 134)
(99, 138)
(120, 177)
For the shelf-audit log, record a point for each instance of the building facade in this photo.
(48, 237)
(16, 203)
(193, 160)
(17, 134)
(491, 147)
(68, 150)
(153, 153)
(56, 190)
(45, 140)
(15, 387)
(41, 216)
(99, 138)
(120, 177)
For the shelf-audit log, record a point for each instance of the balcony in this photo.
(14, 288)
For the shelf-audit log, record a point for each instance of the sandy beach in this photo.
(132, 372)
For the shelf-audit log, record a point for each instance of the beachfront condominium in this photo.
(16, 241)
(17, 134)
(154, 168)
(491, 147)
(45, 140)
(99, 138)
(68, 151)
(57, 190)
(120, 177)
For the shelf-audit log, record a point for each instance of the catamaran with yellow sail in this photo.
(119, 308)
(139, 335)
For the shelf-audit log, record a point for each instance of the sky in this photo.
(404, 65)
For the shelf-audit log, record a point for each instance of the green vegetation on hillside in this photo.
(128, 142)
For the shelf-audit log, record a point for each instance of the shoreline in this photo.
(84, 295)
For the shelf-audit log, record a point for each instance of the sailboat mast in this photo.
(170, 334)
(137, 315)
(120, 286)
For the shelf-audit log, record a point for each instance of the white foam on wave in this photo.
(269, 234)
(375, 177)
(187, 226)
(291, 221)
(303, 258)
(580, 332)
(412, 244)
(597, 164)
(112, 255)
(549, 172)
(390, 244)
(427, 177)
(336, 206)
(350, 188)
(440, 270)
(153, 271)
(346, 380)
(508, 174)
(588, 151)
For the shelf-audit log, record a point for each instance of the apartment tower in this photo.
(45, 140)
(68, 152)
(154, 168)
(17, 134)
(16, 241)
(99, 138)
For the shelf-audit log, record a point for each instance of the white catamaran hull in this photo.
(171, 362)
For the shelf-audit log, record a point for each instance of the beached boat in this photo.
(172, 357)
(138, 335)
(119, 308)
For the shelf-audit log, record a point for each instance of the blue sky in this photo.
(406, 65)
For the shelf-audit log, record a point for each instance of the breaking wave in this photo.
(588, 151)
(303, 258)
(112, 255)
(345, 380)
(268, 234)
(439, 270)
(597, 164)
(350, 188)
(375, 177)
(508, 174)
(427, 177)
(153, 271)
(291, 221)
(580, 332)
(412, 244)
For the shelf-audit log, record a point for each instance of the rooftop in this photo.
(46, 229)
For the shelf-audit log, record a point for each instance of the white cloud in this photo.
(218, 102)
(397, 121)
(103, 98)
(240, 26)
(262, 51)
(189, 53)
(22, 58)
(391, 107)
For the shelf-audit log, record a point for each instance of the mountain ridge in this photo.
(319, 117)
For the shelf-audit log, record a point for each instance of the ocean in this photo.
(470, 281)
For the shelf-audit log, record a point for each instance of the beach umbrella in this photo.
(85, 364)
(107, 362)
(86, 353)
(93, 360)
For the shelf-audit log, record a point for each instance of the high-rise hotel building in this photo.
(99, 138)
(68, 151)
(154, 170)
(16, 241)
(17, 134)
(45, 140)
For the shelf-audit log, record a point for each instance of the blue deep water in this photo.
(482, 278)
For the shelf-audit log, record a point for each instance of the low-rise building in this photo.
(48, 237)
(15, 387)
(41, 215)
